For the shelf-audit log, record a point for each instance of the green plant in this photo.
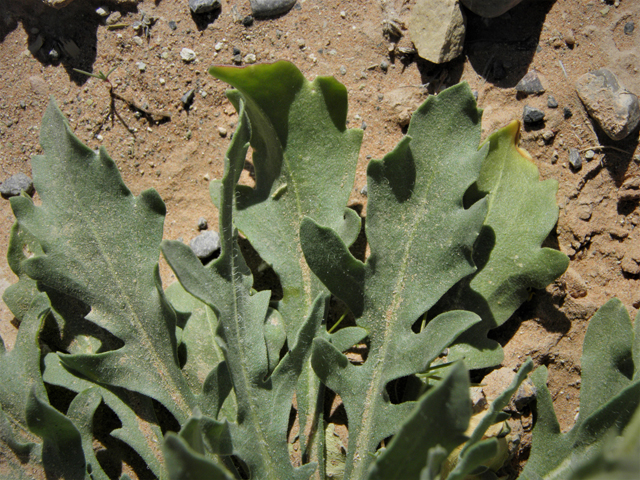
(202, 380)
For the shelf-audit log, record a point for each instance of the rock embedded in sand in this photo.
(613, 107)
(437, 29)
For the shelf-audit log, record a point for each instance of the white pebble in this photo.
(187, 55)
(219, 46)
(162, 82)
(250, 58)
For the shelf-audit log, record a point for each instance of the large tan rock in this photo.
(616, 110)
(437, 29)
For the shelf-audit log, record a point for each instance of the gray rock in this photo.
(187, 98)
(172, 25)
(532, 115)
(524, 395)
(437, 29)
(270, 8)
(629, 27)
(205, 244)
(204, 6)
(490, 8)
(202, 223)
(575, 160)
(247, 21)
(530, 84)
(15, 184)
(567, 113)
(612, 106)
(384, 65)
(365, 190)
(552, 102)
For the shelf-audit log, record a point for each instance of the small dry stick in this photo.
(113, 112)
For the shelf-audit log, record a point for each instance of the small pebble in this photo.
(365, 190)
(548, 135)
(384, 65)
(236, 51)
(269, 8)
(552, 102)
(574, 159)
(203, 6)
(22, 104)
(570, 39)
(137, 40)
(102, 11)
(218, 46)
(247, 21)
(530, 84)
(141, 66)
(187, 55)
(162, 81)
(53, 54)
(187, 99)
(202, 223)
(343, 70)
(531, 115)
(566, 111)
(172, 25)
(237, 59)
(222, 131)
(629, 27)
(301, 43)
(205, 244)
(114, 18)
(589, 154)
(343, 14)
(15, 184)
(250, 58)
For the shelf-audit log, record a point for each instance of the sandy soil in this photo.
(561, 40)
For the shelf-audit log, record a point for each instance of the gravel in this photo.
(187, 98)
(552, 102)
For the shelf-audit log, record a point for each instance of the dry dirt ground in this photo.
(559, 39)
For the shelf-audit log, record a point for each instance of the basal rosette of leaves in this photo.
(203, 379)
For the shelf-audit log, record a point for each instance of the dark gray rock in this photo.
(236, 51)
(629, 27)
(612, 106)
(566, 111)
(172, 25)
(270, 8)
(187, 99)
(552, 102)
(205, 244)
(203, 6)
(530, 84)
(15, 184)
(531, 116)
(575, 160)
(247, 21)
